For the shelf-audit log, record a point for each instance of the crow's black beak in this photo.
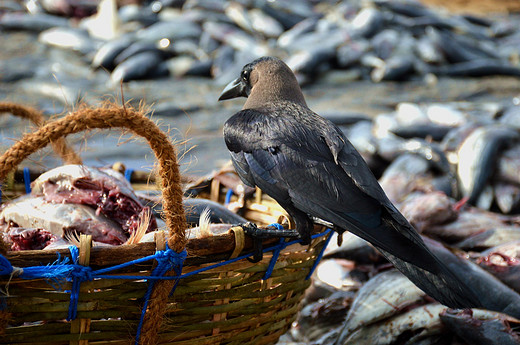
(236, 88)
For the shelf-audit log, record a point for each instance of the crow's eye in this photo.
(245, 75)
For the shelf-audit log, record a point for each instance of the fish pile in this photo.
(71, 200)
(76, 199)
(377, 39)
(469, 151)
(452, 170)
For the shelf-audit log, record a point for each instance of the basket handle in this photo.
(111, 117)
(60, 146)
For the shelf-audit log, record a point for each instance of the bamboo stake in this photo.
(80, 326)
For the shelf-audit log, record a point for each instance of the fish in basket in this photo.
(116, 285)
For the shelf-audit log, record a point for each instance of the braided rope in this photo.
(60, 146)
(112, 116)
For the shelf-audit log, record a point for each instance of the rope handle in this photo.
(60, 146)
(112, 116)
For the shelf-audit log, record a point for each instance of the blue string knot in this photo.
(166, 260)
(277, 226)
(78, 274)
(82, 273)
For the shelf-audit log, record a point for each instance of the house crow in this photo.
(311, 169)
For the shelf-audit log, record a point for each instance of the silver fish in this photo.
(136, 48)
(234, 37)
(31, 22)
(290, 36)
(477, 68)
(381, 297)
(107, 53)
(425, 210)
(511, 116)
(288, 13)
(311, 62)
(507, 197)
(319, 40)
(367, 22)
(456, 49)
(482, 327)
(385, 42)
(508, 166)
(490, 238)
(431, 152)
(477, 157)
(509, 249)
(265, 24)
(428, 52)
(353, 248)
(239, 15)
(66, 177)
(207, 45)
(422, 322)
(407, 114)
(399, 178)
(140, 66)
(173, 29)
(448, 114)
(505, 268)
(423, 130)
(69, 38)
(468, 223)
(394, 68)
(350, 52)
(317, 322)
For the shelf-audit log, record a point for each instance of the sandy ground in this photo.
(477, 7)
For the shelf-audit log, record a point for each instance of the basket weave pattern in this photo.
(229, 304)
(248, 310)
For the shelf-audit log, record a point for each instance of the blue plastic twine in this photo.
(64, 269)
(5, 266)
(166, 260)
(27, 180)
(229, 194)
(276, 252)
(78, 275)
(128, 174)
(320, 255)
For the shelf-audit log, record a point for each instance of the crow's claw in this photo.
(258, 234)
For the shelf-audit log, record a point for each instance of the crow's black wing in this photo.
(303, 160)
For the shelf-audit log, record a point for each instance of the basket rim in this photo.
(214, 248)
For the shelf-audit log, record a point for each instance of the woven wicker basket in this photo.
(229, 304)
